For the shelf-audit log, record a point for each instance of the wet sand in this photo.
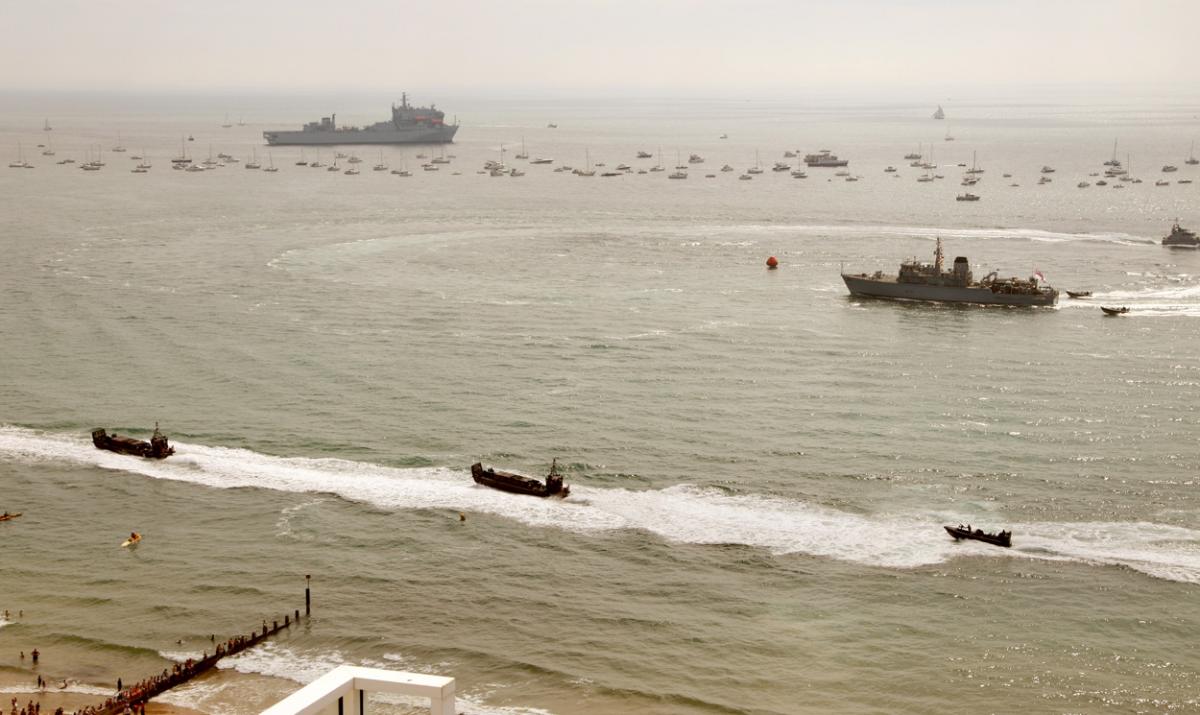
(20, 685)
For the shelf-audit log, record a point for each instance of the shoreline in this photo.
(77, 695)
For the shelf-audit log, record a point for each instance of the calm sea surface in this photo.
(760, 465)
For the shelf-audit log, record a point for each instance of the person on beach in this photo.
(34, 654)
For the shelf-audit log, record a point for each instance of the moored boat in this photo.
(519, 483)
(1114, 311)
(825, 158)
(156, 448)
(1002, 538)
(1079, 294)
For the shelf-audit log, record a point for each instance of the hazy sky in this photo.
(569, 45)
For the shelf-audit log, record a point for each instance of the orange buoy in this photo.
(772, 262)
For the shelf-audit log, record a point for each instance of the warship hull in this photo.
(889, 287)
(442, 134)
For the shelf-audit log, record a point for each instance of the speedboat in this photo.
(1002, 538)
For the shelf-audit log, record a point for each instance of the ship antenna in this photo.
(937, 256)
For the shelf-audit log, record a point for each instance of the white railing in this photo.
(342, 691)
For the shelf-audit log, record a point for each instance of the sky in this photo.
(581, 46)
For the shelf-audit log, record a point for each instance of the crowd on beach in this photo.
(33, 708)
(131, 700)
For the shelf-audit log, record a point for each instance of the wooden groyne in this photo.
(131, 697)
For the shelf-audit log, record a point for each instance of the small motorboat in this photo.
(1003, 538)
(1114, 311)
(156, 448)
(9, 516)
(519, 483)
(1079, 294)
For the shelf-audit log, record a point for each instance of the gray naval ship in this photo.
(408, 125)
(928, 281)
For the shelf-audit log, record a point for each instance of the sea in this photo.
(760, 465)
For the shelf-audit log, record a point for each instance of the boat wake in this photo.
(681, 513)
(931, 232)
(1153, 301)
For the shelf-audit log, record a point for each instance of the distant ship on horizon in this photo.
(939, 114)
(408, 125)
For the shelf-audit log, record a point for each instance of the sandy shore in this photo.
(14, 684)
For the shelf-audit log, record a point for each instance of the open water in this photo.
(760, 465)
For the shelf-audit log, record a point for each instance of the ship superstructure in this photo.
(408, 125)
(931, 282)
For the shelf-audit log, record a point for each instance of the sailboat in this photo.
(402, 171)
(589, 171)
(253, 163)
(49, 150)
(757, 165)
(1114, 161)
(271, 164)
(939, 114)
(974, 169)
(948, 137)
(20, 163)
(181, 160)
(680, 170)
(303, 161)
(91, 164)
(226, 125)
(523, 154)
(659, 166)
(118, 148)
(380, 166)
(46, 126)
(1192, 160)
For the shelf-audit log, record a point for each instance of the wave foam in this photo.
(930, 232)
(274, 660)
(681, 513)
